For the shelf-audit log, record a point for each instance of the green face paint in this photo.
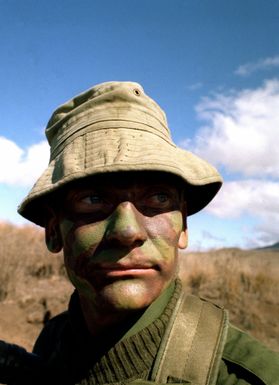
(121, 241)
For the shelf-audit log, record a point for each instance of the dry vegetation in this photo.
(244, 282)
(33, 285)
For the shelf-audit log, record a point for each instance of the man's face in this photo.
(121, 234)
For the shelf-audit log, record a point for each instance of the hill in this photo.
(275, 246)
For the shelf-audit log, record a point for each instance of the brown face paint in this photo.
(122, 260)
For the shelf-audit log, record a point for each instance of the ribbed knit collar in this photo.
(127, 359)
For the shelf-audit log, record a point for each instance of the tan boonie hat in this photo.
(114, 127)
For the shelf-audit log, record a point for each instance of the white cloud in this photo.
(242, 130)
(212, 237)
(262, 64)
(195, 86)
(22, 167)
(258, 198)
(267, 230)
(241, 136)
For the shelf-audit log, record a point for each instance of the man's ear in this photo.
(52, 233)
(183, 239)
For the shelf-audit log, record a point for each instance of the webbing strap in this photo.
(192, 344)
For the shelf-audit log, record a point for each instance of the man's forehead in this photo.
(125, 180)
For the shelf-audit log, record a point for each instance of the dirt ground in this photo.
(23, 316)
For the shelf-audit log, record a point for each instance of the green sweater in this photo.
(121, 356)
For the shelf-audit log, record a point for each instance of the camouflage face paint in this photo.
(120, 244)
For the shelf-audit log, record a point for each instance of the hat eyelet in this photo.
(136, 91)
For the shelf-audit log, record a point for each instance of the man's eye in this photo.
(92, 199)
(162, 198)
(158, 199)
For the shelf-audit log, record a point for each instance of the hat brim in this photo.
(117, 149)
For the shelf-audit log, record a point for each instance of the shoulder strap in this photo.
(192, 344)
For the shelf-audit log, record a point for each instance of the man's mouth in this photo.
(119, 269)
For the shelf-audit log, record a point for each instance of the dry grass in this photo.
(245, 282)
(23, 256)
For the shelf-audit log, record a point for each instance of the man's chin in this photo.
(127, 294)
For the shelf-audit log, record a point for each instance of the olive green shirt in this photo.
(75, 358)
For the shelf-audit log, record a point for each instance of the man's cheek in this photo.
(166, 250)
(167, 228)
(81, 244)
(79, 282)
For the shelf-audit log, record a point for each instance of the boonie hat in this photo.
(113, 127)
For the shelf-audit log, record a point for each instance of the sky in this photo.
(212, 65)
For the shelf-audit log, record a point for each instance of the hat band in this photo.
(68, 125)
(79, 130)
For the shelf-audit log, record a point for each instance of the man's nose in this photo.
(125, 226)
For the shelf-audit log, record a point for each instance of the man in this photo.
(115, 197)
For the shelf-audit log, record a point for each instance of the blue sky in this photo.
(212, 65)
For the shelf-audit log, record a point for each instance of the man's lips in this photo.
(116, 269)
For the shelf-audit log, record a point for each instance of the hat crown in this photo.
(110, 102)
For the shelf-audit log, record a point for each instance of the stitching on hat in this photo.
(84, 130)
(68, 121)
(89, 111)
(78, 128)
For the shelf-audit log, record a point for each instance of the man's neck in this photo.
(120, 325)
(103, 323)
